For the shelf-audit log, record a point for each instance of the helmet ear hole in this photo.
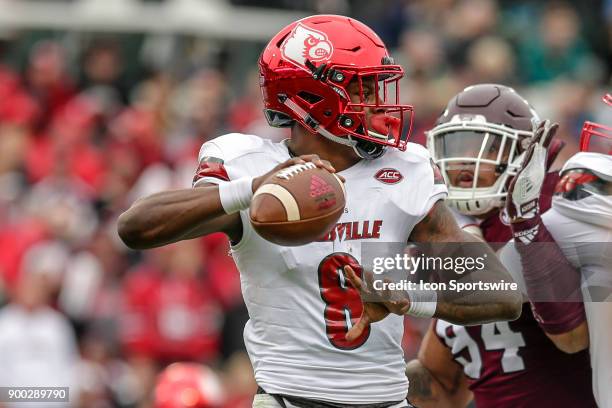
(369, 150)
(278, 119)
(309, 97)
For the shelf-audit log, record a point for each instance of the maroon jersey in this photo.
(514, 364)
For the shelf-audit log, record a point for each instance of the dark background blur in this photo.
(105, 101)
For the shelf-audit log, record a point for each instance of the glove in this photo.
(522, 201)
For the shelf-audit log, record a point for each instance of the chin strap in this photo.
(345, 141)
(315, 125)
(342, 140)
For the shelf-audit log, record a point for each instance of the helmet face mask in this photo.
(333, 76)
(476, 159)
(374, 113)
(595, 137)
(478, 145)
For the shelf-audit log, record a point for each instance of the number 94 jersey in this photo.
(300, 304)
(514, 365)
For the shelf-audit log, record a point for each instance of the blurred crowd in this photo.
(89, 123)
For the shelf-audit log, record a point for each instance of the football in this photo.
(297, 205)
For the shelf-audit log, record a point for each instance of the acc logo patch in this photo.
(305, 43)
(388, 176)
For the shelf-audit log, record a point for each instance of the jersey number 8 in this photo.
(343, 305)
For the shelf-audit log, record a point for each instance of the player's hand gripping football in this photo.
(313, 158)
(378, 305)
(522, 201)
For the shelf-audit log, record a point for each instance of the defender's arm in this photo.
(435, 380)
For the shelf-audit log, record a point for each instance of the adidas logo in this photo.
(318, 187)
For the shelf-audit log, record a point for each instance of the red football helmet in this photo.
(595, 137)
(305, 72)
(188, 385)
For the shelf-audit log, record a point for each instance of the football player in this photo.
(483, 139)
(330, 79)
(580, 220)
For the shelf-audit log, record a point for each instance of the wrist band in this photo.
(236, 195)
(422, 303)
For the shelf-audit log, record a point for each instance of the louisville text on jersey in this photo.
(347, 231)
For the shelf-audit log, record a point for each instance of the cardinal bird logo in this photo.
(305, 43)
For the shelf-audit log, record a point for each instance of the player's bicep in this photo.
(439, 225)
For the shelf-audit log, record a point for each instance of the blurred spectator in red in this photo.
(17, 112)
(9, 82)
(142, 126)
(17, 232)
(47, 81)
(169, 311)
(15, 239)
(68, 150)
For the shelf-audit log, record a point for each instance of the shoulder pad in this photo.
(231, 146)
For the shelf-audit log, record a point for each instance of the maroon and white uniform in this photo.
(514, 364)
(580, 221)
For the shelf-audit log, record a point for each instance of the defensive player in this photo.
(329, 78)
(580, 220)
(479, 143)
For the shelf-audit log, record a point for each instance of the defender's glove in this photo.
(522, 202)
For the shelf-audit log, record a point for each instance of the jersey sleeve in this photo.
(223, 159)
(437, 191)
(425, 185)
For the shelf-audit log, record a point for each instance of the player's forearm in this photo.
(425, 391)
(572, 341)
(441, 237)
(478, 306)
(171, 216)
(553, 285)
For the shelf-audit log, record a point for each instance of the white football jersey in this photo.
(300, 304)
(583, 230)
